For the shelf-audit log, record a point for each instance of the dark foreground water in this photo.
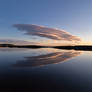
(45, 70)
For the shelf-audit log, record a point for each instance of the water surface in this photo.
(45, 70)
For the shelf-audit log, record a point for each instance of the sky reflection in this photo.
(50, 58)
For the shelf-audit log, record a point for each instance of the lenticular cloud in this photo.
(17, 42)
(51, 33)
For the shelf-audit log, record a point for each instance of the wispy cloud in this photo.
(17, 42)
(51, 33)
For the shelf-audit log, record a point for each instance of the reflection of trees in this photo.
(52, 58)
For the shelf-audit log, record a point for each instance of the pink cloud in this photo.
(51, 33)
(17, 42)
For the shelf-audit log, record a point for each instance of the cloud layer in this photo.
(51, 33)
(17, 42)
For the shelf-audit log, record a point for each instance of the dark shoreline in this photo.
(77, 47)
(20, 46)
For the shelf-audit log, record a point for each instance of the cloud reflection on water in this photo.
(51, 58)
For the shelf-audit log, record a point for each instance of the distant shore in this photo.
(76, 47)
(20, 46)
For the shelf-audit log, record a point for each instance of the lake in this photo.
(45, 70)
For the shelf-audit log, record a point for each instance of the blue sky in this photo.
(74, 16)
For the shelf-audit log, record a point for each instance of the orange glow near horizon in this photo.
(86, 43)
(58, 43)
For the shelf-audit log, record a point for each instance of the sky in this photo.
(72, 16)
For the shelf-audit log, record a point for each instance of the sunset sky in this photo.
(57, 21)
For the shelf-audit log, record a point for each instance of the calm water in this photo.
(45, 70)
